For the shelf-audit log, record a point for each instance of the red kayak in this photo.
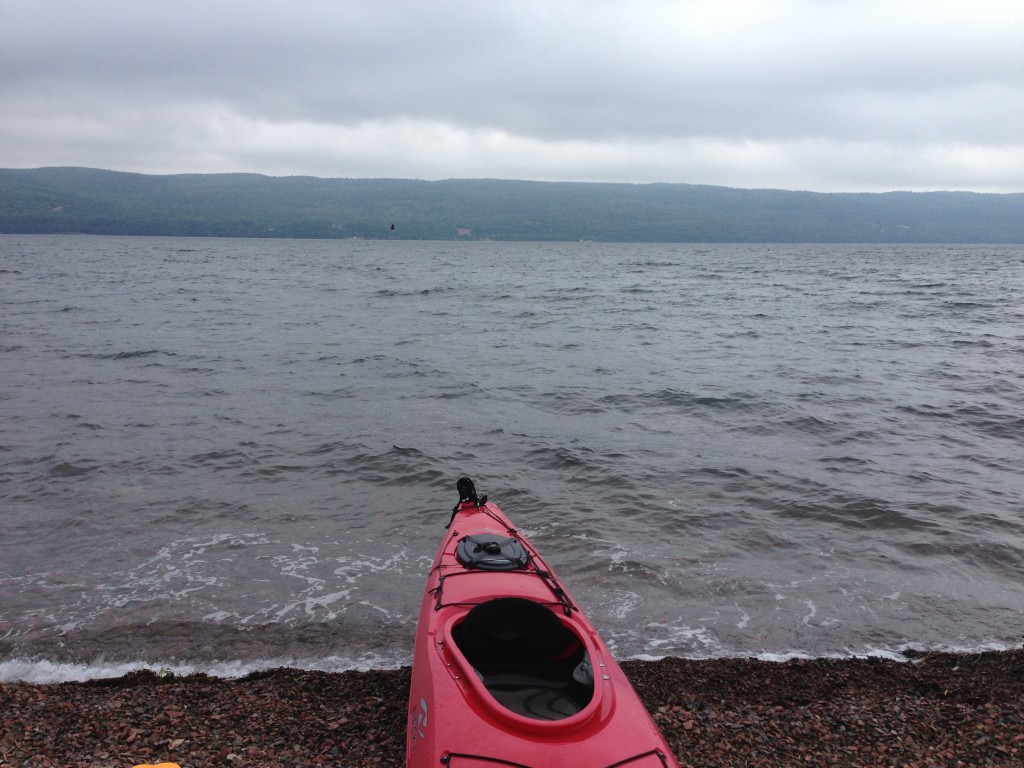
(507, 671)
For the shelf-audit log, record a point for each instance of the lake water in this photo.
(226, 455)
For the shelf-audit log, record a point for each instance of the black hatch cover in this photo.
(492, 552)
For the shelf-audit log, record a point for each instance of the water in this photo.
(225, 455)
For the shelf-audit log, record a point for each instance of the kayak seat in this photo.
(537, 698)
(525, 657)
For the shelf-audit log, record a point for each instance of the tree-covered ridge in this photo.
(71, 200)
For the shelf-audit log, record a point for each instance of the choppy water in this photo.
(222, 455)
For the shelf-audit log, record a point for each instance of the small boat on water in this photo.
(507, 671)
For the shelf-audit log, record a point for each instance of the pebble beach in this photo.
(934, 709)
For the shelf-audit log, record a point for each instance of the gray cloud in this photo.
(825, 94)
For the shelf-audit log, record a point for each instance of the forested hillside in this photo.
(80, 200)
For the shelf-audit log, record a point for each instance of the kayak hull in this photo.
(508, 671)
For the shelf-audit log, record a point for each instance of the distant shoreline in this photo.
(93, 201)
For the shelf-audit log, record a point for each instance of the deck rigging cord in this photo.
(467, 494)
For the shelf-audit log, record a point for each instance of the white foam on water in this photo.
(624, 603)
(26, 671)
(812, 611)
(674, 635)
(44, 671)
(744, 619)
(894, 654)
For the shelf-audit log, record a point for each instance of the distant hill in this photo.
(82, 200)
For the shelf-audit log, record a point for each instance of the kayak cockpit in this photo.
(528, 660)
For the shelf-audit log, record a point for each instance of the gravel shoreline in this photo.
(934, 709)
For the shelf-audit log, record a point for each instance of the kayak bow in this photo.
(507, 671)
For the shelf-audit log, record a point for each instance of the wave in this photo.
(43, 671)
(130, 355)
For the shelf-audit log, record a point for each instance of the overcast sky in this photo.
(824, 95)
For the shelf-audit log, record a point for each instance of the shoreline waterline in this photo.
(45, 672)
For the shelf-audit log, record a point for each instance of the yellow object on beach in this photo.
(157, 765)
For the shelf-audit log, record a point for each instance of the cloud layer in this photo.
(844, 95)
